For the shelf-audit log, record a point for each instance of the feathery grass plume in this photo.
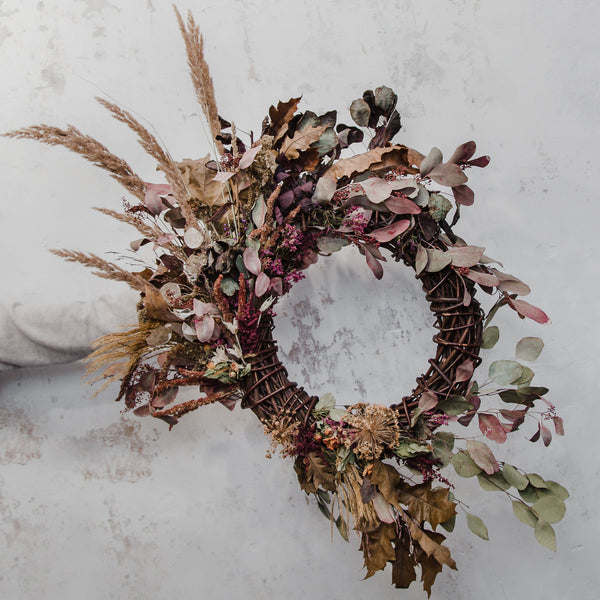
(145, 230)
(203, 84)
(155, 150)
(122, 350)
(86, 146)
(104, 269)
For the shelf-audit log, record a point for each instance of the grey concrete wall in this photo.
(99, 505)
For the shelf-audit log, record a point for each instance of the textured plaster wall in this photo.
(98, 505)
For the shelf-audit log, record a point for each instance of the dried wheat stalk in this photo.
(86, 146)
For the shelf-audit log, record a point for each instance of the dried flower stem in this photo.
(86, 146)
(221, 300)
(179, 410)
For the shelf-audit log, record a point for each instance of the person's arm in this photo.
(33, 335)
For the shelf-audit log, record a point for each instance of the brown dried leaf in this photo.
(427, 504)
(430, 567)
(319, 472)
(403, 568)
(200, 181)
(281, 116)
(156, 306)
(376, 159)
(377, 548)
(302, 141)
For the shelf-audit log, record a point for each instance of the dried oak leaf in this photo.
(302, 140)
(403, 567)
(377, 548)
(281, 116)
(313, 472)
(430, 567)
(427, 504)
(388, 480)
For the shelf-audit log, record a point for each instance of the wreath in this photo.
(225, 238)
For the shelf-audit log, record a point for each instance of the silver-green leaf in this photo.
(477, 526)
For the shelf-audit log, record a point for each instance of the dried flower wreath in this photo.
(231, 235)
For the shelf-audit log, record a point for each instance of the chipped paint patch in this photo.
(21, 441)
(118, 452)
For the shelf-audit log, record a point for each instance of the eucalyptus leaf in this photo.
(493, 483)
(449, 524)
(229, 286)
(342, 526)
(336, 414)
(524, 513)
(259, 211)
(530, 494)
(331, 244)
(326, 402)
(504, 372)
(385, 98)
(324, 508)
(477, 526)
(550, 508)
(536, 480)
(491, 335)
(516, 479)
(420, 260)
(558, 490)
(454, 405)
(360, 112)
(437, 260)
(529, 348)
(545, 535)
(443, 443)
(526, 377)
(464, 465)
(439, 207)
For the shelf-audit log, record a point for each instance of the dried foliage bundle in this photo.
(229, 236)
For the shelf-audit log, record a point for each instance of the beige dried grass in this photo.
(200, 73)
(88, 147)
(165, 163)
(104, 268)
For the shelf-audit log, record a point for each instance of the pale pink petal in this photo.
(262, 284)
(252, 261)
(386, 234)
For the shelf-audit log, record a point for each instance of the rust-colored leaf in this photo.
(281, 116)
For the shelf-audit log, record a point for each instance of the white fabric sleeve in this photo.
(35, 336)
